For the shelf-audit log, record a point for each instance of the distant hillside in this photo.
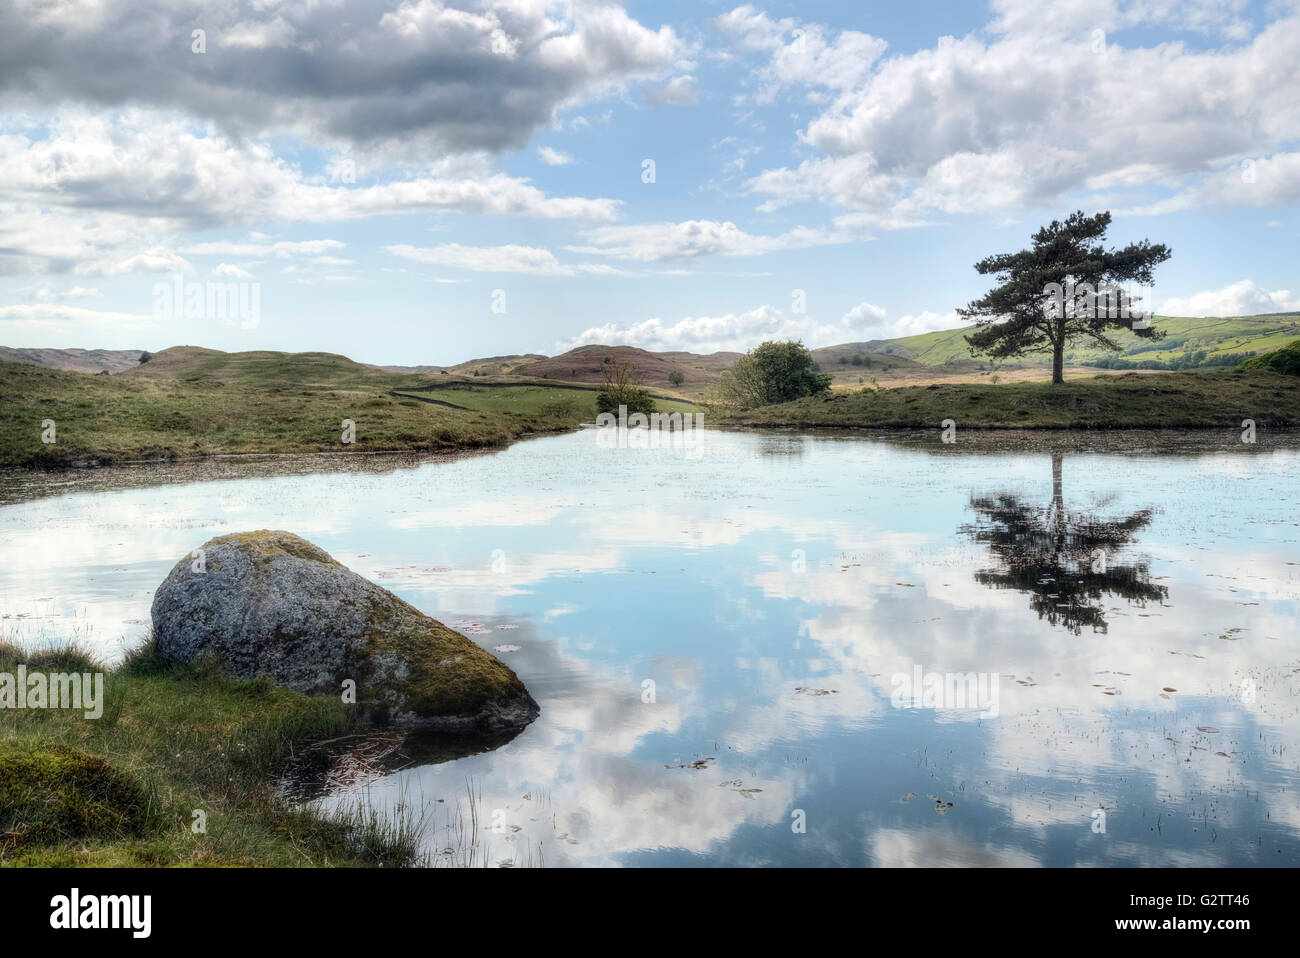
(258, 367)
(859, 357)
(1225, 339)
(75, 360)
(586, 365)
(422, 370)
(488, 366)
(1189, 343)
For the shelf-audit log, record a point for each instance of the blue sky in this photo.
(428, 181)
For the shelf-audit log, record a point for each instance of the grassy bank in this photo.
(1125, 401)
(283, 406)
(189, 402)
(122, 790)
(570, 403)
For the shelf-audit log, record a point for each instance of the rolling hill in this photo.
(586, 365)
(1189, 343)
(75, 360)
(190, 402)
(1216, 337)
(488, 366)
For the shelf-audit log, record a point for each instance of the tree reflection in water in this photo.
(1065, 560)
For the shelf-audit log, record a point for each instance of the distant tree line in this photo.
(1188, 360)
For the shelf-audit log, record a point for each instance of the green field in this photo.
(574, 401)
(1120, 401)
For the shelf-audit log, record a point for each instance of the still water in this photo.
(724, 641)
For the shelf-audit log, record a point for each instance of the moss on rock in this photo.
(265, 544)
(268, 603)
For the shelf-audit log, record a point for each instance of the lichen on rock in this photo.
(269, 603)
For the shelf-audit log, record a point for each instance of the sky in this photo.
(430, 181)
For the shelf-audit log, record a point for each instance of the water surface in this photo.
(714, 638)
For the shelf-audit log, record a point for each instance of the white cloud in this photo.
(1065, 17)
(865, 313)
(97, 190)
(499, 259)
(391, 74)
(1266, 181)
(75, 292)
(1046, 109)
(157, 259)
(801, 54)
(53, 319)
(282, 249)
(852, 181)
(230, 271)
(257, 35)
(1242, 298)
(553, 157)
(656, 242)
(680, 91)
(924, 322)
(867, 321)
(742, 331)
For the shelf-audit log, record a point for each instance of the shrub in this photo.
(771, 373)
(620, 386)
(1285, 360)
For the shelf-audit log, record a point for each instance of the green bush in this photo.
(1285, 360)
(636, 400)
(771, 373)
(621, 386)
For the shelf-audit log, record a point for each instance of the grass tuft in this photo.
(124, 790)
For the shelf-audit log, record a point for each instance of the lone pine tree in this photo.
(1066, 286)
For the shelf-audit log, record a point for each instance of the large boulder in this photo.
(271, 604)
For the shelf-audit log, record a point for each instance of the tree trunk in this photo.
(1058, 361)
(1056, 512)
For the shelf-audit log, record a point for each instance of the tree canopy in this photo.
(770, 373)
(1065, 287)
